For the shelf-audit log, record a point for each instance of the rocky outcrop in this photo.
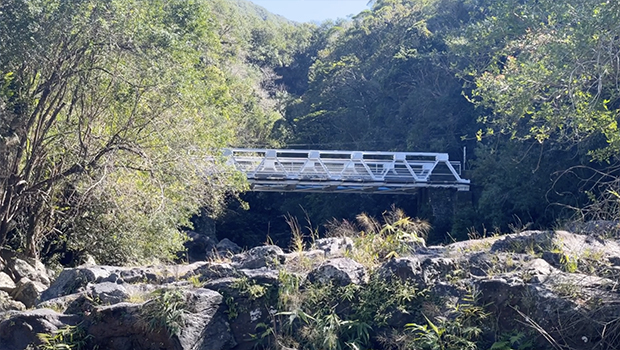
(339, 271)
(258, 257)
(553, 281)
(19, 330)
(334, 246)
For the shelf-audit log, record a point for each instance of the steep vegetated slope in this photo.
(529, 87)
(108, 107)
(109, 111)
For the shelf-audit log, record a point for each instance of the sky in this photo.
(313, 10)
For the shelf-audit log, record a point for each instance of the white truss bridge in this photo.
(284, 170)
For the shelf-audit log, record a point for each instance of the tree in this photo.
(108, 113)
(558, 81)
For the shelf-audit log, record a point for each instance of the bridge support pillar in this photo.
(443, 205)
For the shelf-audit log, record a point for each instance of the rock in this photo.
(20, 329)
(7, 303)
(213, 271)
(6, 283)
(255, 258)
(62, 304)
(301, 261)
(261, 276)
(526, 242)
(136, 275)
(71, 280)
(538, 270)
(227, 247)
(27, 291)
(123, 326)
(553, 258)
(35, 272)
(205, 327)
(107, 293)
(221, 284)
(406, 268)
(199, 246)
(339, 271)
(334, 246)
(436, 268)
(422, 270)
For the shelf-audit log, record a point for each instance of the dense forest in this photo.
(112, 112)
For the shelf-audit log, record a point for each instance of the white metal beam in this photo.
(345, 171)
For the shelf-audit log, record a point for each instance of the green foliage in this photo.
(112, 114)
(66, 338)
(569, 263)
(165, 311)
(514, 341)
(397, 235)
(250, 289)
(325, 316)
(460, 331)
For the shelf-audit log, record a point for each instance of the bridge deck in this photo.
(345, 171)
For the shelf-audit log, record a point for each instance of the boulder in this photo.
(301, 261)
(255, 258)
(19, 330)
(339, 271)
(538, 271)
(22, 269)
(7, 303)
(125, 326)
(334, 246)
(261, 276)
(135, 275)
(405, 268)
(227, 247)
(422, 270)
(205, 327)
(6, 283)
(72, 280)
(62, 304)
(27, 291)
(212, 271)
(199, 246)
(107, 293)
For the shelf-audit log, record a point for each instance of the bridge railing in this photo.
(339, 169)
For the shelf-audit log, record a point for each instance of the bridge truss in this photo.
(283, 170)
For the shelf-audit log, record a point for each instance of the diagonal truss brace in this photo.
(345, 171)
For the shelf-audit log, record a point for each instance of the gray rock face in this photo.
(255, 258)
(212, 271)
(20, 329)
(6, 283)
(334, 246)
(405, 268)
(424, 270)
(7, 303)
(205, 327)
(339, 271)
(108, 293)
(34, 271)
(27, 291)
(71, 280)
(226, 247)
(122, 326)
(199, 246)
